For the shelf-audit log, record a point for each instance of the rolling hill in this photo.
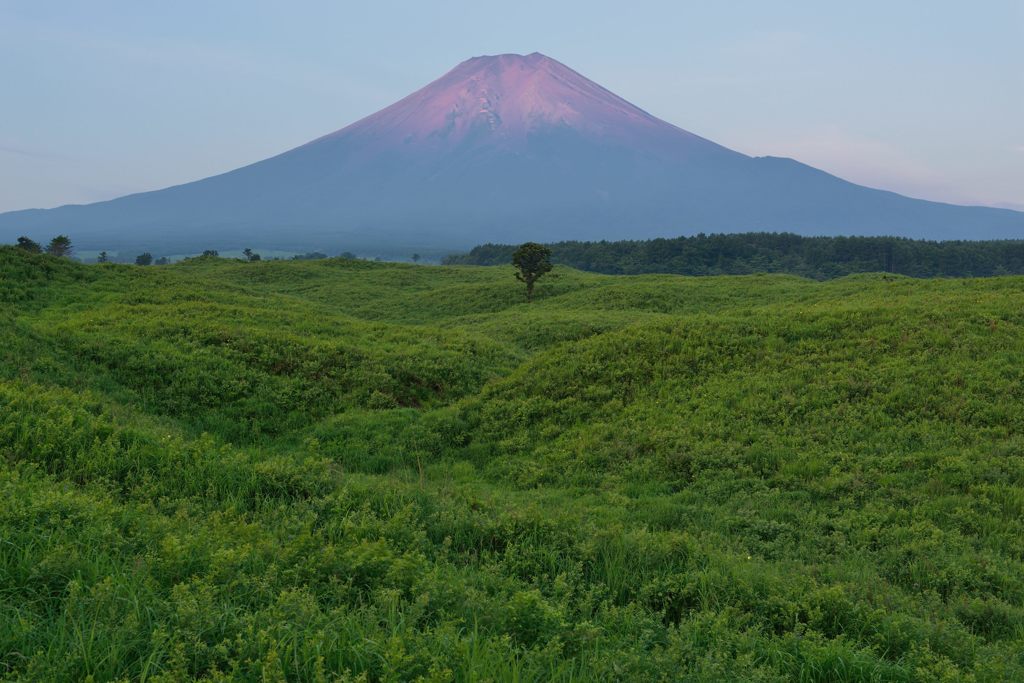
(345, 470)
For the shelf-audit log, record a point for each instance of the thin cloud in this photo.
(19, 151)
(13, 147)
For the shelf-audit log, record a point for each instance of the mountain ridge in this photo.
(504, 148)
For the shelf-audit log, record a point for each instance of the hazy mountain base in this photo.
(299, 471)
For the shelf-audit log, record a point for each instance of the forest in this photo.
(342, 470)
(819, 258)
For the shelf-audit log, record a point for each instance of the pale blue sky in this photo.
(105, 97)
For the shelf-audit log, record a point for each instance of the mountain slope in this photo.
(504, 148)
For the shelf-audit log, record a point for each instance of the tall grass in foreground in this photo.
(336, 470)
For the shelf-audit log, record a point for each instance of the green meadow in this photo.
(341, 470)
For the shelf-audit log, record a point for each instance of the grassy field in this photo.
(344, 470)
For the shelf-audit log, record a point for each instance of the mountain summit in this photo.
(503, 148)
(505, 98)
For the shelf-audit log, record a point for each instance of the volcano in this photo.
(503, 148)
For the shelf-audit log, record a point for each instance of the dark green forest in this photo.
(819, 258)
(341, 470)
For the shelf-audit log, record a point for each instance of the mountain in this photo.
(503, 149)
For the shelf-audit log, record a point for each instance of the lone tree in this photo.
(103, 257)
(250, 255)
(28, 245)
(59, 246)
(415, 258)
(144, 259)
(531, 260)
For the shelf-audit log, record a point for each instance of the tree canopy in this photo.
(59, 246)
(532, 261)
(28, 245)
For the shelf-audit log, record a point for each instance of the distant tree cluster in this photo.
(820, 258)
(146, 259)
(58, 246)
(61, 246)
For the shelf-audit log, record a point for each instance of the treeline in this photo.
(820, 258)
(61, 246)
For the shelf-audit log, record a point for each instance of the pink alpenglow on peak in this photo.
(507, 97)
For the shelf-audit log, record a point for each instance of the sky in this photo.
(101, 98)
